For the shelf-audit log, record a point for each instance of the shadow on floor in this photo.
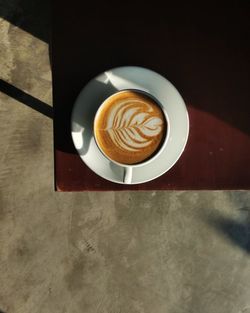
(26, 99)
(34, 18)
(31, 16)
(237, 231)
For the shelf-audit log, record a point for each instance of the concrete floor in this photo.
(111, 252)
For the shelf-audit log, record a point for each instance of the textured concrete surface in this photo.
(114, 252)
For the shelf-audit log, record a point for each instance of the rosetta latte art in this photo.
(132, 125)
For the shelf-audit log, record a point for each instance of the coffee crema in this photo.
(130, 127)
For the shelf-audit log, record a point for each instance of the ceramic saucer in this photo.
(109, 82)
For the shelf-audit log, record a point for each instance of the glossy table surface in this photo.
(204, 52)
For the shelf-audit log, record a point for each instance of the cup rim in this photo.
(164, 141)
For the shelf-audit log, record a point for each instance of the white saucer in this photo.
(107, 83)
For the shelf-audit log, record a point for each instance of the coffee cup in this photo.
(131, 129)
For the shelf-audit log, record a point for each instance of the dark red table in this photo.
(204, 51)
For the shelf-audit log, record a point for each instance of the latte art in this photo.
(129, 127)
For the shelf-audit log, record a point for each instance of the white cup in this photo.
(128, 168)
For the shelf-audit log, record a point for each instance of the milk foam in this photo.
(131, 129)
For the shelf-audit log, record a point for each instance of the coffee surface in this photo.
(130, 127)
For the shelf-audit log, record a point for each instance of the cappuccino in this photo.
(130, 127)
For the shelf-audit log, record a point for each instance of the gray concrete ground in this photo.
(111, 252)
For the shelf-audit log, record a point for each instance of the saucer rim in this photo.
(184, 142)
